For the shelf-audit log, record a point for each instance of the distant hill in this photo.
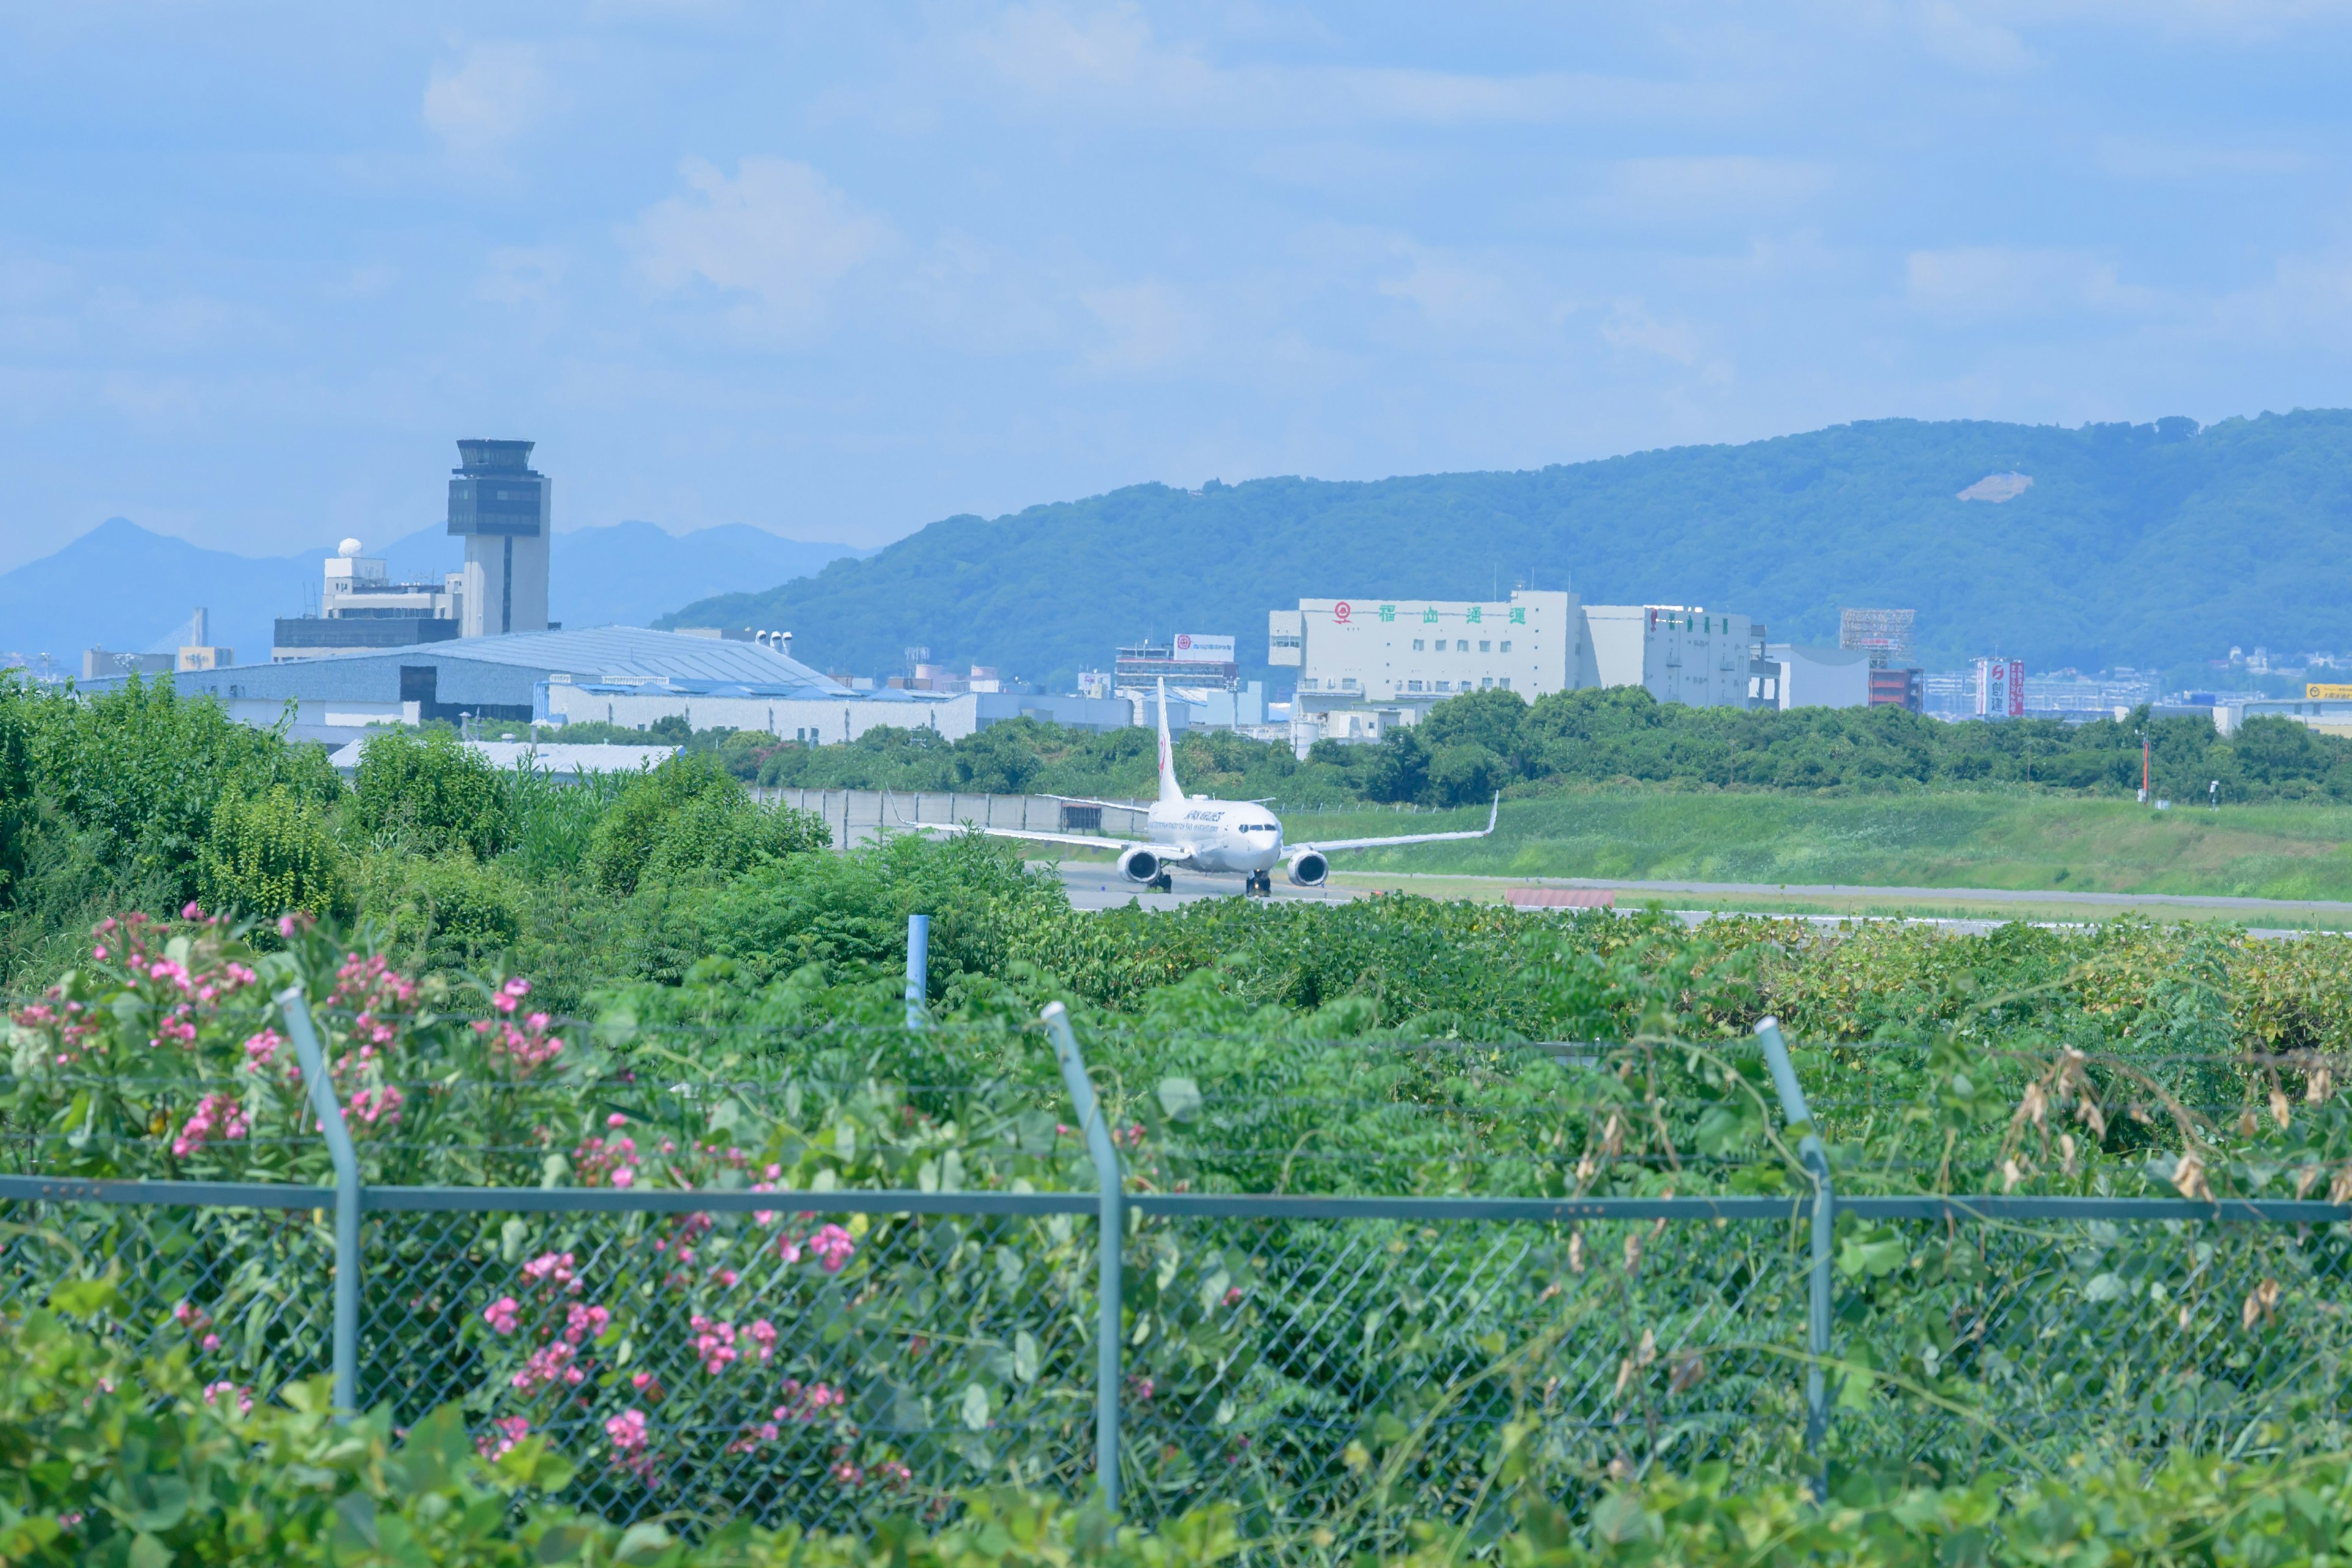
(2133, 543)
(123, 587)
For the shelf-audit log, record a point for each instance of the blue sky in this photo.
(839, 269)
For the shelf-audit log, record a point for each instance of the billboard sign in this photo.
(1195, 646)
(2321, 692)
(2001, 688)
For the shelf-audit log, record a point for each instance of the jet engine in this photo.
(1308, 868)
(1138, 866)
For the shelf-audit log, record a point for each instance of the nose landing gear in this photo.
(1260, 885)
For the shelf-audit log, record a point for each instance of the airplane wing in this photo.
(1324, 846)
(1173, 854)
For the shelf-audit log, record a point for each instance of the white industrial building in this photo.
(1367, 665)
(1801, 677)
(1414, 653)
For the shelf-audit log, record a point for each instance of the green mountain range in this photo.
(2144, 544)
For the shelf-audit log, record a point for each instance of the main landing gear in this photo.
(1162, 883)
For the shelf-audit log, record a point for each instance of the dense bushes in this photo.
(1472, 745)
(428, 794)
(119, 1459)
(268, 853)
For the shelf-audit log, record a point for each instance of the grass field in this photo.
(2020, 841)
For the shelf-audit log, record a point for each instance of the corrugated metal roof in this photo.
(603, 652)
(600, 653)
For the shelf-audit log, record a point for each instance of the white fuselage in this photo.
(1223, 835)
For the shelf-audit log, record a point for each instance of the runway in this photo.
(1097, 885)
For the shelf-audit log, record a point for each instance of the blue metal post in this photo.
(918, 967)
(1816, 1160)
(297, 1011)
(1111, 1232)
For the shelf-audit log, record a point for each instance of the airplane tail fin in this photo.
(1171, 792)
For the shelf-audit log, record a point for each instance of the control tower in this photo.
(504, 512)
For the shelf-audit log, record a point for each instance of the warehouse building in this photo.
(1411, 653)
(1367, 664)
(615, 674)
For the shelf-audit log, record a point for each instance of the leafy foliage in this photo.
(271, 854)
(1473, 744)
(425, 790)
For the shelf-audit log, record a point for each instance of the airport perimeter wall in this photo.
(859, 815)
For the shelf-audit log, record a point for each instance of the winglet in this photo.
(1171, 792)
(1495, 812)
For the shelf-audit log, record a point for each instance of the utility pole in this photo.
(2143, 767)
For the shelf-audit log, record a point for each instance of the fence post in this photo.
(297, 1010)
(1816, 1160)
(918, 968)
(1111, 1234)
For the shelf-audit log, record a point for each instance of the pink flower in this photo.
(192, 913)
(215, 1114)
(553, 1268)
(244, 1396)
(627, 1431)
(210, 1342)
(285, 925)
(622, 1176)
(510, 1429)
(616, 1119)
(585, 1323)
(502, 1315)
(764, 1335)
(726, 1276)
(549, 1364)
(833, 1246)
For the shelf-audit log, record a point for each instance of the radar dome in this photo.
(349, 548)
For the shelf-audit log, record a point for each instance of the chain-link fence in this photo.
(1334, 1366)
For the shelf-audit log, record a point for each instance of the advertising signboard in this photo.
(2001, 688)
(1199, 646)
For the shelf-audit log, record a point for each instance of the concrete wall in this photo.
(1822, 677)
(829, 721)
(860, 815)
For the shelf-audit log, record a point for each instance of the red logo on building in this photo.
(1342, 610)
(1183, 641)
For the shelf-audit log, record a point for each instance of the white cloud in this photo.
(1994, 282)
(486, 97)
(1630, 326)
(1952, 32)
(522, 275)
(1108, 59)
(1146, 326)
(778, 232)
(1689, 189)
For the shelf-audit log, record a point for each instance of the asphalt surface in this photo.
(1097, 885)
(1094, 885)
(1936, 895)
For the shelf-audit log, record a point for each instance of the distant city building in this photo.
(192, 648)
(97, 662)
(1818, 677)
(361, 610)
(1408, 655)
(505, 512)
(1892, 687)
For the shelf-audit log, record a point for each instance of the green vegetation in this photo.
(649, 982)
(117, 1457)
(2142, 544)
(1472, 745)
(1977, 838)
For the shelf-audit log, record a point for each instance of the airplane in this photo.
(1199, 834)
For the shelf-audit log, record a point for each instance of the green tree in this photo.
(687, 815)
(429, 791)
(271, 853)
